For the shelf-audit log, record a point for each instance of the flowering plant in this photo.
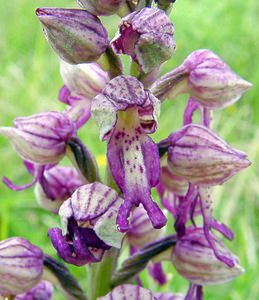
(146, 182)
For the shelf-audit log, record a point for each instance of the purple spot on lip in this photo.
(141, 169)
(128, 162)
(137, 148)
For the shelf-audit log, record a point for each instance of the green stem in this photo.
(99, 275)
(134, 69)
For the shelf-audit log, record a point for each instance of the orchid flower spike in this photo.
(125, 113)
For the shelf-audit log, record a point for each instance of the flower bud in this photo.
(58, 185)
(201, 157)
(40, 138)
(194, 259)
(101, 7)
(212, 82)
(206, 78)
(129, 292)
(42, 291)
(147, 36)
(76, 35)
(21, 266)
(85, 80)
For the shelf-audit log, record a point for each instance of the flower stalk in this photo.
(99, 275)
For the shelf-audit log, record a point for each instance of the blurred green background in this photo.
(29, 83)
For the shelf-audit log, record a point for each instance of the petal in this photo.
(106, 227)
(76, 254)
(88, 202)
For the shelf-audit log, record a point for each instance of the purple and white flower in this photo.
(147, 36)
(89, 222)
(125, 113)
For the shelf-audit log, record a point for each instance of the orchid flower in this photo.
(88, 219)
(125, 113)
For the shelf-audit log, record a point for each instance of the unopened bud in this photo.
(85, 80)
(102, 7)
(206, 78)
(21, 266)
(76, 35)
(201, 157)
(194, 259)
(40, 138)
(211, 81)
